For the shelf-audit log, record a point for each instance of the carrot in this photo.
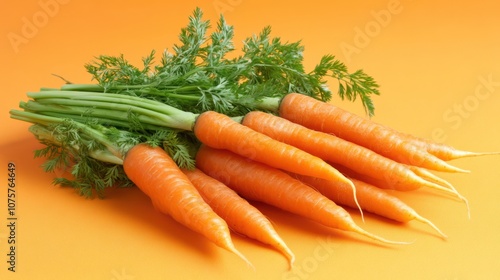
(241, 216)
(443, 151)
(429, 176)
(387, 184)
(371, 199)
(336, 150)
(157, 175)
(328, 118)
(221, 132)
(259, 182)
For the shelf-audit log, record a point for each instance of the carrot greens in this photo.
(205, 72)
(159, 101)
(93, 153)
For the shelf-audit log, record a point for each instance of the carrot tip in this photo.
(291, 261)
(451, 168)
(232, 249)
(431, 177)
(464, 154)
(283, 249)
(466, 204)
(351, 184)
(378, 238)
(424, 220)
(448, 189)
(439, 164)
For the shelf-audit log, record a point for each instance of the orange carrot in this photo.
(441, 150)
(259, 182)
(371, 199)
(221, 132)
(328, 118)
(387, 184)
(429, 176)
(337, 150)
(171, 192)
(241, 216)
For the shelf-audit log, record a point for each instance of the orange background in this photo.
(439, 71)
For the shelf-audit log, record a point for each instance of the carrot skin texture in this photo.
(241, 216)
(221, 132)
(259, 182)
(371, 199)
(157, 175)
(335, 150)
(328, 118)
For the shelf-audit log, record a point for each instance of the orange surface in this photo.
(439, 71)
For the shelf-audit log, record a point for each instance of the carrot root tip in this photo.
(378, 238)
(431, 224)
(455, 169)
(457, 154)
(443, 185)
(239, 254)
(466, 204)
(356, 201)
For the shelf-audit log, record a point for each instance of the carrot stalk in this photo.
(371, 198)
(259, 182)
(331, 119)
(157, 175)
(240, 215)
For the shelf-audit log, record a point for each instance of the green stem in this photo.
(84, 114)
(271, 104)
(166, 91)
(165, 115)
(48, 120)
(44, 134)
(103, 109)
(82, 87)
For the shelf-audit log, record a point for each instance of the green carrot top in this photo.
(202, 73)
(89, 127)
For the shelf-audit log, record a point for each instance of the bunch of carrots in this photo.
(204, 139)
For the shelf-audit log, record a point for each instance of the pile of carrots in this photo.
(302, 155)
(312, 160)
